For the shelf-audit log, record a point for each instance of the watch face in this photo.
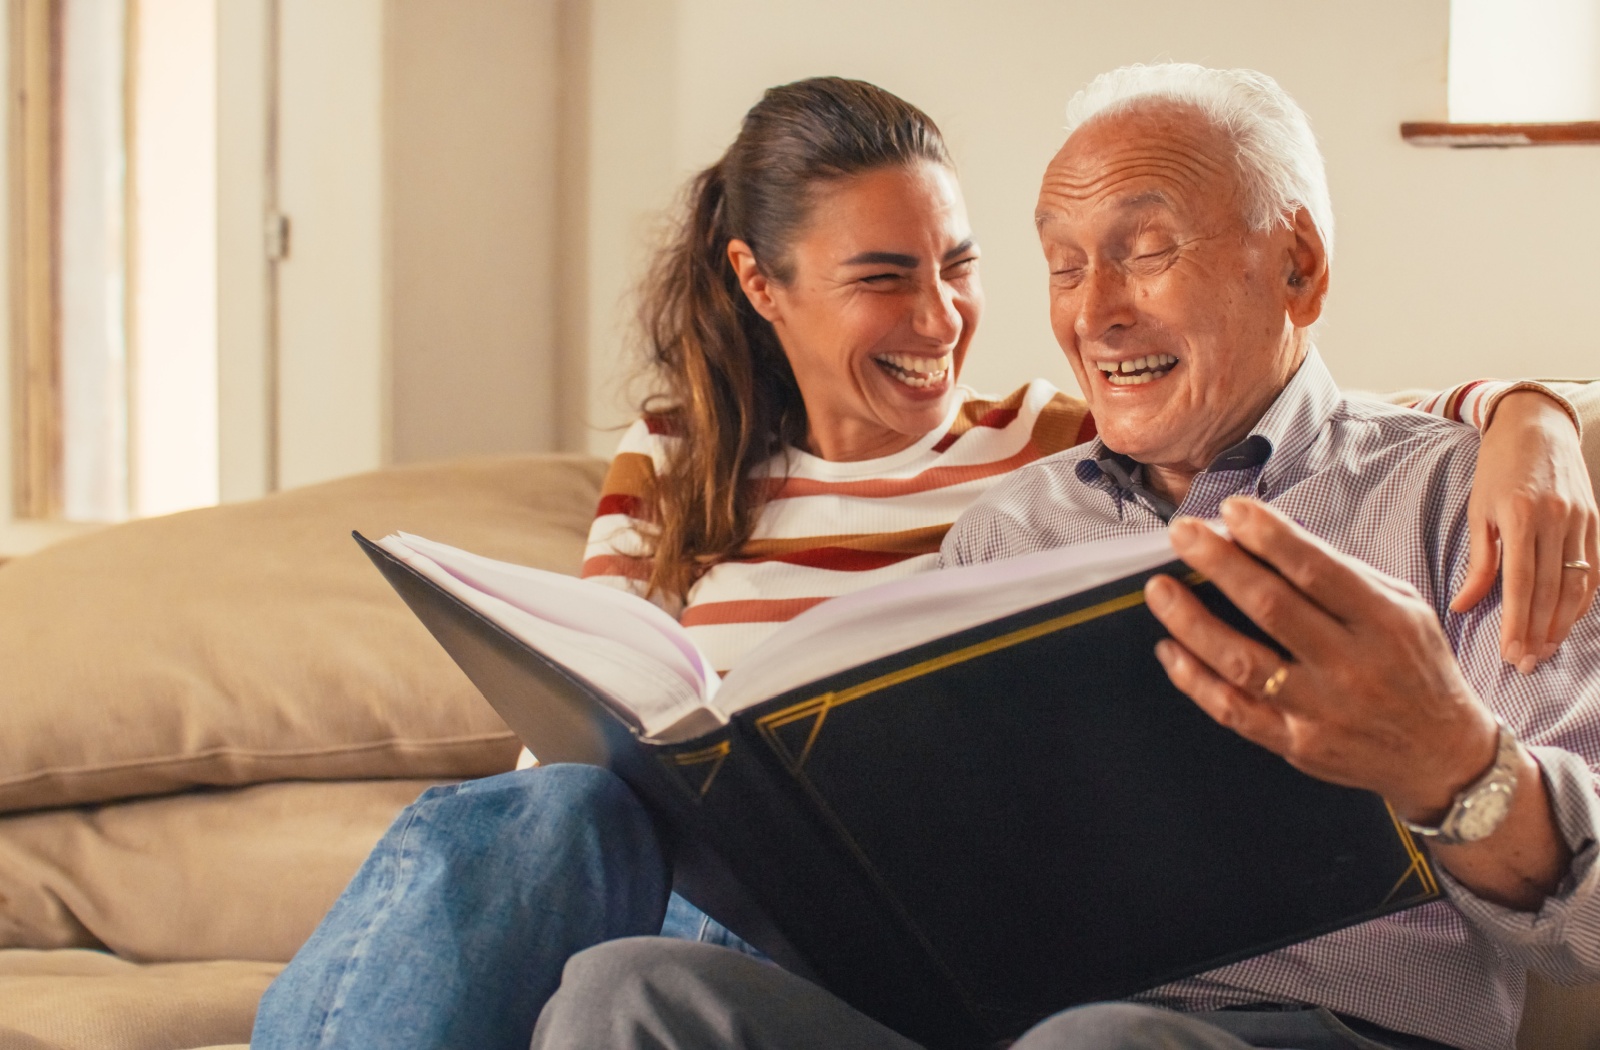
(1483, 813)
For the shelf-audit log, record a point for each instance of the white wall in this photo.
(1451, 263)
(245, 429)
(416, 309)
(470, 194)
(333, 364)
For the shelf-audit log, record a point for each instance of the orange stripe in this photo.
(906, 541)
(630, 474)
(774, 611)
(1062, 423)
(616, 565)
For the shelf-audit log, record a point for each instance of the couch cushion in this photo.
(84, 1000)
(255, 642)
(243, 873)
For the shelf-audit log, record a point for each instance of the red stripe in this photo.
(998, 418)
(775, 611)
(889, 488)
(995, 418)
(619, 503)
(1087, 429)
(844, 559)
(662, 426)
(1459, 398)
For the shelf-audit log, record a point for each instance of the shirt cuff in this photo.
(1493, 401)
(1562, 938)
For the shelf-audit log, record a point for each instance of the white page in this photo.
(867, 625)
(658, 695)
(570, 602)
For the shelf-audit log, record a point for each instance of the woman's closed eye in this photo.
(961, 268)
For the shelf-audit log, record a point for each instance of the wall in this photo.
(1450, 264)
(470, 199)
(414, 314)
(332, 357)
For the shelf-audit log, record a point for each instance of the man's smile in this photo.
(1136, 370)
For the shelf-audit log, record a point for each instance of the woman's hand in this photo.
(1532, 509)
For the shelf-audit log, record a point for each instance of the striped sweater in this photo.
(830, 528)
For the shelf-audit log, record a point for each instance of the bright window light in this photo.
(174, 432)
(1524, 61)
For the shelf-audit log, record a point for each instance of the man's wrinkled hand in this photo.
(1371, 696)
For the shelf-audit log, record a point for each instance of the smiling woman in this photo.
(875, 337)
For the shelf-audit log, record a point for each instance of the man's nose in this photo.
(936, 318)
(1104, 303)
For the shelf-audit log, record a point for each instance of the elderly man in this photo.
(1186, 222)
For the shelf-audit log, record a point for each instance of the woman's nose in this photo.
(937, 318)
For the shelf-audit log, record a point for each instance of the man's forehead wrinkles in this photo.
(1149, 176)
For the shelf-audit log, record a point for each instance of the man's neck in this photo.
(1170, 483)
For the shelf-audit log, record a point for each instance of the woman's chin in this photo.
(919, 412)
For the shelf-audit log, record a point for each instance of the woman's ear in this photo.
(1308, 271)
(757, 286)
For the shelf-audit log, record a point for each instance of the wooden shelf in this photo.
(1469, 136)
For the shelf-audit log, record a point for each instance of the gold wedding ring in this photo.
(1579, 564)
(1275, 681)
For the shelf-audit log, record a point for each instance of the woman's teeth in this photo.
(915, 371)
(1138, 370)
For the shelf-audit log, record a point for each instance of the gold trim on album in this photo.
(819, 706)
(1419, 862)
(716, 754)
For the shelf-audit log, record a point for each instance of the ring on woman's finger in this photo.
(1577, 563)
(1274, 682)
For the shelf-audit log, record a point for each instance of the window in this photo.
(1527, 61)
(113, 256)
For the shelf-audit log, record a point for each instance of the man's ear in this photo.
(756, 284)
(1307, 278)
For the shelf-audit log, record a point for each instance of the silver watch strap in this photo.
(1501, 776)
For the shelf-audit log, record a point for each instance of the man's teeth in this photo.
(1137, 370)
(916, 371)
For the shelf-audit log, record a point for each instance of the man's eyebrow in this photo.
(905, 262)
(1139, 200)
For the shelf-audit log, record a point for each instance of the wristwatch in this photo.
(1481, 806)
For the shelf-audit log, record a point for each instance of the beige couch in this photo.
(206, 721)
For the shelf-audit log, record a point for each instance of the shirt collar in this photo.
(1280, 438)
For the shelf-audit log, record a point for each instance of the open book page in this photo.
(857, 628)
(623, 645)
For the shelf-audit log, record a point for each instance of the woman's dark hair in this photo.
(724, 385)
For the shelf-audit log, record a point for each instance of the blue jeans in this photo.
(455, 930)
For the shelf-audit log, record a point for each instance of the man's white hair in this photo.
(1280, 167)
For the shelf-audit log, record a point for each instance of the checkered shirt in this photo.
(1389, 486)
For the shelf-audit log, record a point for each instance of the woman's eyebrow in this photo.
(907, 262)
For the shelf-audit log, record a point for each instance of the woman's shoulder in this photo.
(1054, 418)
